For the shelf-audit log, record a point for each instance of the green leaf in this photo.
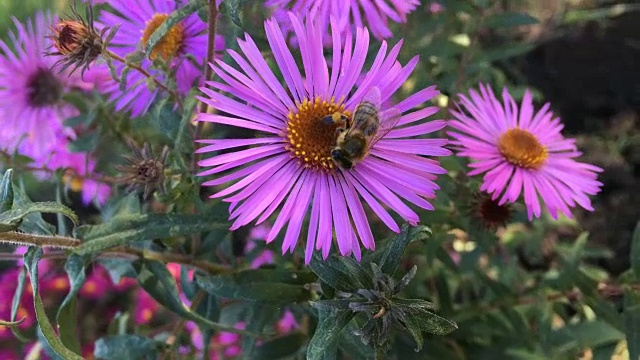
(231, 9)
(504, 52)
(632, 322)
(260, 315)
(19, 211)
(84, 119)
(279, 347)
(433, 324)
(330, 325)
(6, 191)
(67, 317)
(15, 305)
(353, 345)
(85, 143)
(393, 252)
(156, 279)
(635, 251)
(31, 259)
(335, 273)
(510, 19)
(269, 285)
(587, 334)
(126, 347)
(128, 229)
(173, 19)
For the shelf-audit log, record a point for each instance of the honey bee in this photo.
(357, 136)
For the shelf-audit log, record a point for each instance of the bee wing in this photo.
(388, 120)
(373, 96)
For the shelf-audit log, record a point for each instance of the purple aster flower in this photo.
(31, 88)
(290, 165)
(348, 13)
(520, 151)
(138, 21)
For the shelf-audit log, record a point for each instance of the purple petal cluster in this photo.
(32, 108)
(270, 175)
(134, 18)
(349, 14)
(540, 165)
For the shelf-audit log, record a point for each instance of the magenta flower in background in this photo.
(349, 14)
(31, 107)
(289, 164)
(138, 21)
(522, 152)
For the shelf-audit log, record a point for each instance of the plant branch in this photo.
(22, 239)
(144, 72)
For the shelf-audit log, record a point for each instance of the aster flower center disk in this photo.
(169, 45)
(43, 88)
(522, 148)
(311, 139)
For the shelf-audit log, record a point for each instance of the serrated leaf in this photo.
(20, 211)
(173, 19)
(331, 323)
(125, 230)
(67, 317)
(510, 19)
(156, 279)
(6, 191)
(126, 347)
(269, 285)
(31, 258)
(280, 347)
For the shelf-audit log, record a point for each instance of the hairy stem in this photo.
(22, 239)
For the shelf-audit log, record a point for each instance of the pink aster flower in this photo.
(32, 110)
(138, 21)
(146, 307)
(522, 152)
(348, 13)
(289, 165)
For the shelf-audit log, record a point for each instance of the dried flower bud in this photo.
(490, 213)
(77, 41)
(143, 171)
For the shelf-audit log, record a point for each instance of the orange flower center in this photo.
(522, 148)
(311, 139)
(169, 45)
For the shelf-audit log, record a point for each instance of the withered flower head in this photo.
(77, 41)
(143, 171)
(385, 309)
(490, 213)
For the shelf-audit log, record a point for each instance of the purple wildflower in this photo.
(522, 152)
(290, 163)
(138, 21)
(375, 14)
(31, 88)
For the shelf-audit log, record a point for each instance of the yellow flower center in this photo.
(522, 148)
(311, 139)
(169, 45)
